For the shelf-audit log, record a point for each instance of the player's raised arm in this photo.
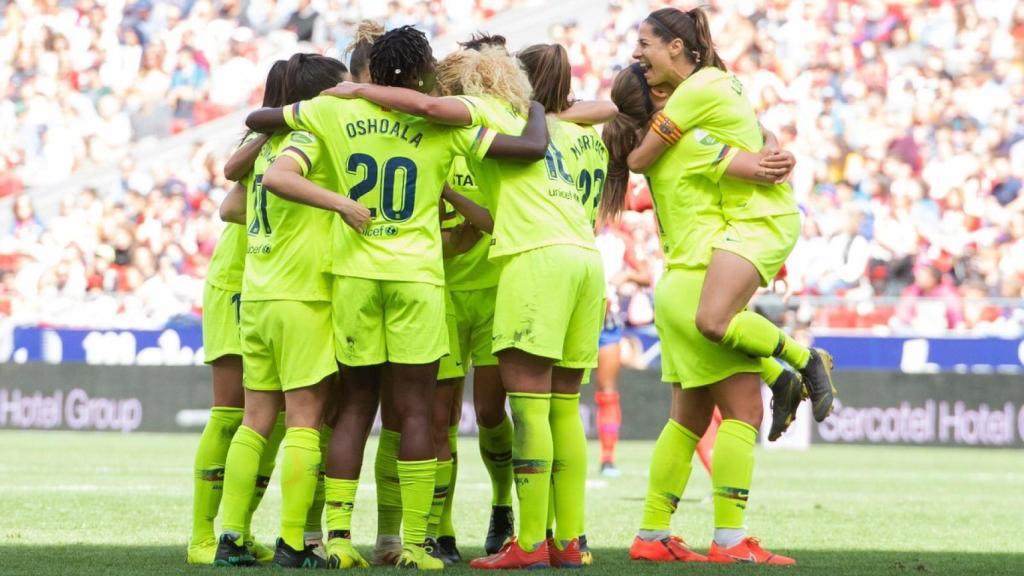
(589, 112)
(232, 208)
(650, 149)
(531, 145)
(241, 161)
(476, 214)
(450, 111)
(267, 121)
(285, 179)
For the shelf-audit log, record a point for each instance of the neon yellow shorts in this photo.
(550, 303)
(687, 357)
(475, 312)
(377, 321)
(764, 242)
(286, 344)
(452, 365)
(221, 316)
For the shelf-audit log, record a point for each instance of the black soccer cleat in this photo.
(449, 551)
(287, 557)
(818, 377)
(232, 553)
(500, 529)
(434, 549)
(787, 393)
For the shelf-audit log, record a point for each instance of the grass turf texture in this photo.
(108, 504)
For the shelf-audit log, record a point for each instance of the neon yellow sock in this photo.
(770, 370)
(268, 460)
(389, 494)
(755, 335)
(240, 470)
(341, 501)
(446, 527)
(416, 478)
(551, 502)
(442, 482)
(314, 518)
(732, 467)
(670, 470)
(496, 452)
(569, 467)
(532, 452)
(208, 471)
(299, 472)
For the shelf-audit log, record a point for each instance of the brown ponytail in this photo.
(693, 29)
(622, 135)
(359, 49)
(550, 74)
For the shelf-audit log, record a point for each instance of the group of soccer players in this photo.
(401, 219)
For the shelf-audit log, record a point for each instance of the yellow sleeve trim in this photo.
(291, 116)
(721, 164)
(300, 157)
(482, 143)
(666, 129)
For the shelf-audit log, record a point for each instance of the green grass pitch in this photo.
(106, 504)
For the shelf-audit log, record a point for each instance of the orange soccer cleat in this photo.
(670, 549)
(570, 557)
(748, 551)
(512, 557)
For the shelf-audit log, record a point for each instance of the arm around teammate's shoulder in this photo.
(285, 179)
(440, 110)
(267, 120)
(531, 145)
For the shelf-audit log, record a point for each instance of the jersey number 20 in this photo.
(367, 166)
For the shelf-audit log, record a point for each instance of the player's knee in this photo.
(711, 326)
(489, 415)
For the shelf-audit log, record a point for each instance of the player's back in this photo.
(536, 203)
(286, 254)
(586, 158)
(395, 165)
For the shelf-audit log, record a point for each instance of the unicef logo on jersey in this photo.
(704, 138)
(382, 231)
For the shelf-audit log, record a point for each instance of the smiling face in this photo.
(660, 59)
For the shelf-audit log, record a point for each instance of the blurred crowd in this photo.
(905, 118)
(83, 80)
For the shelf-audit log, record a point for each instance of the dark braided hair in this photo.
(401, 57)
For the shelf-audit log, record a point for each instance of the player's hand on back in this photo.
(354, 214)
(343, 90)
(778, 164)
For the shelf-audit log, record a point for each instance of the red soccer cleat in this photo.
(512, 557)
(570, 557)
(671, 549)
(748, 551)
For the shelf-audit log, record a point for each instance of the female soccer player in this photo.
(687, 197)
(388, 279)
(286, 317)
(223, 351)
(358, 51)
(762, 221)
(550, 289)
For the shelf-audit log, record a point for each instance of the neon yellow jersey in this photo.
(536, 203)
(713, 100)
(227, 264)
(687, 200)
(471, 270)
(395, 165)
(586, 158)
(289, 243)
